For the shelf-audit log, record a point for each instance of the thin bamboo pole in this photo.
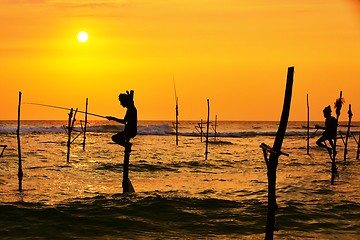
(64, 108)
(69, 135)
(177, 122)
(215, 128)
(85, 123)
(308, 125)
(20, 171)
(201, 130)
(207, 130)
(348, 132)
(358, 148)
(176, 115)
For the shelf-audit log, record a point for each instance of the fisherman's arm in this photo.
(110, 118)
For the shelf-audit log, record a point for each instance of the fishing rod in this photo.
(64, 108)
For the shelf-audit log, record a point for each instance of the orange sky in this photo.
(236, 53)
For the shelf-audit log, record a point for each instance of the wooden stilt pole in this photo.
(201, 130)
(347, 132)
(85, 123)
(177, 122)
(2, 151)
(70, 132)
(214, 127)
(358, 148)
(334, 173)
(207, 130)
(20, 171)
(275, 152)
(176, 115)
(69, 135)
(308, 125)
(126, 183)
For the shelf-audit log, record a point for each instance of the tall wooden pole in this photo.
(215, 128)
(177, 122)
(176, 115)
(338, 105)
(207, 130)
(274, 155)
(85, 123)
(308, 125)
(348, 132)
(20, 171)
(126, 183)
(358, 148)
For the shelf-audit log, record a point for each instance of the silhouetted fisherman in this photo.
(130, 120)
(329, 133)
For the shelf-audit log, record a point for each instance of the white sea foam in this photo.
(225, 129)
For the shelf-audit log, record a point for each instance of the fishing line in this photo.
(63, 108)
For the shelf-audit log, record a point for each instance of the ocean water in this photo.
(179, 194)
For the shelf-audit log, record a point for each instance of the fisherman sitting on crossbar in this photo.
(329, 133)
(130, 120)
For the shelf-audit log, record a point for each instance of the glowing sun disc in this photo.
(83, 36)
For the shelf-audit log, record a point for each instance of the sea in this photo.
(191, 188)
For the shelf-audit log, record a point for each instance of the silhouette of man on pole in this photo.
(123, 138)
(329, 133)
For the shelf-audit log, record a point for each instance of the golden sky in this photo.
(233, 52)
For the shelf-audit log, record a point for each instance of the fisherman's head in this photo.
(327, 111)
(124, 99)
(127, 99)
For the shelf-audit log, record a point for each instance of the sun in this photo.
(82, 36)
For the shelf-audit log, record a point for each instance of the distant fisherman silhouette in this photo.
(329, 133)
(130, 119)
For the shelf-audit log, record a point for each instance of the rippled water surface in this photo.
(179, 194)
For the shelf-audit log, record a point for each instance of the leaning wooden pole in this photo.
(308, 125)
(347, 132)
(274, 155)
(207, 130)
(20, 171)
(2, 151)
(85, 123)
